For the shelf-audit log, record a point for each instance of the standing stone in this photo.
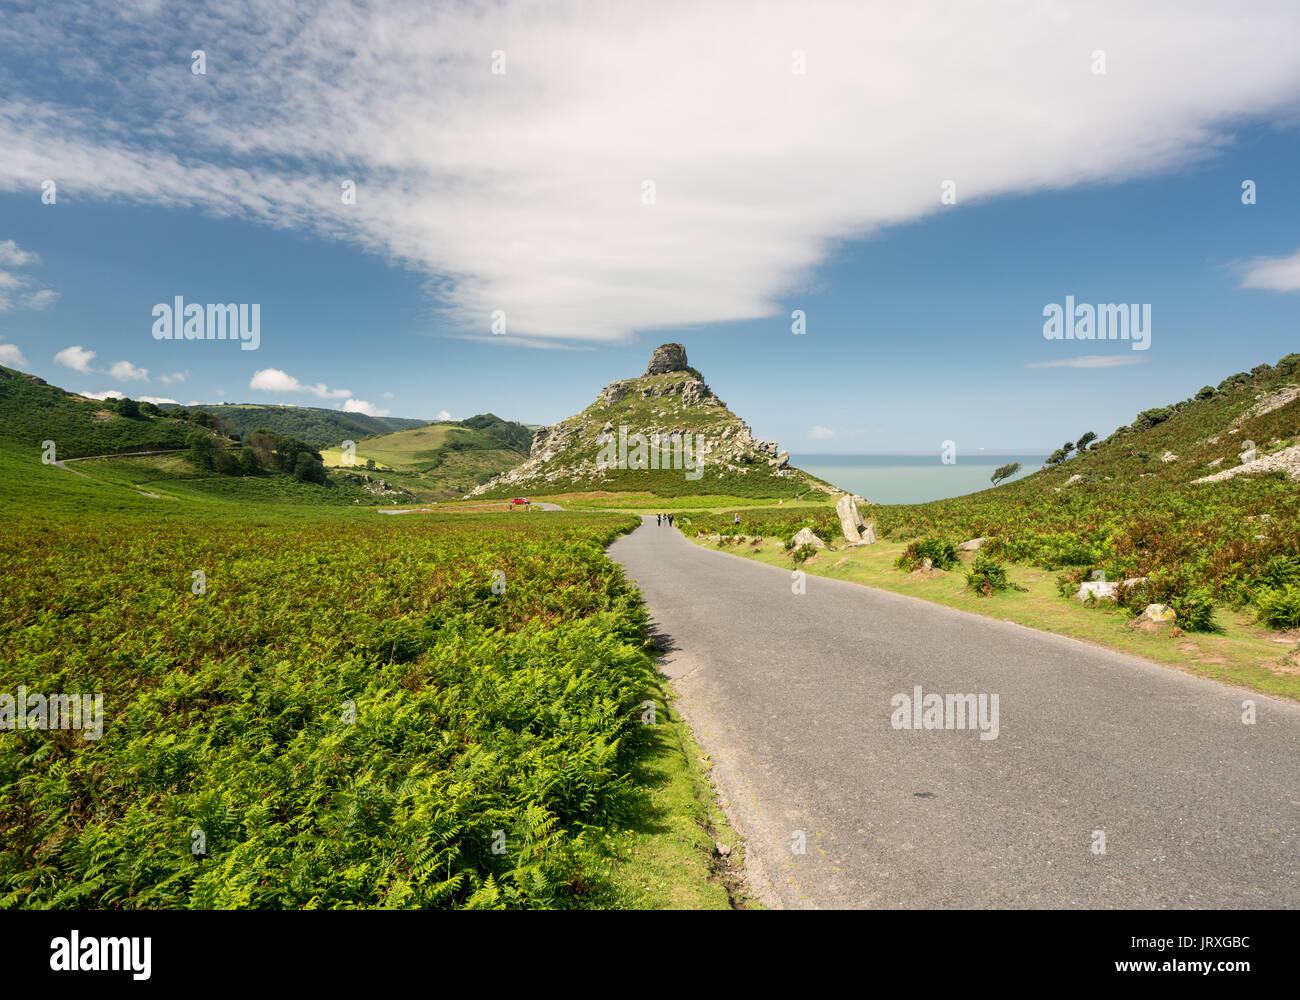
(850, 519)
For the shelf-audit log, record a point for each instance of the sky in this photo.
(546, 192)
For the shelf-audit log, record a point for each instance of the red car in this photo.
(520, 500)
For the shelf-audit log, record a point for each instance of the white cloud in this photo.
(10, 355)
(361, 406)
(77, 358)
(522, 192)
(1089, 361)
(276, 380)
(820, 433)
(156, 400)
(444, 415)
(40, 299)
(1276, 274)
(174, 377)
(124, 371)
(107, 394)
(11, 255)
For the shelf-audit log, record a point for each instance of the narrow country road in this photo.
(790, 694)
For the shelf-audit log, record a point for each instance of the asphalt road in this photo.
(791, 696)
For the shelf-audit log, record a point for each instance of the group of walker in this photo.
(662, 519)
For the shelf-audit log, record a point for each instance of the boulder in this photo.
(851, 522)
(805, 536)
(1105, 590)
(1158, 613)
(1168, 457)
(972, 544)
(667, 358)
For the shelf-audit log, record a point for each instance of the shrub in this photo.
(987, 576)
(941, 553)
(802, 553)
(1194, 611)
(1280, 607)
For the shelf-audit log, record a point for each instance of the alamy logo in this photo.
(102, 954)
(952, 711)
(213, 321)
(56, 711)
(1106, 321)
(657, 451)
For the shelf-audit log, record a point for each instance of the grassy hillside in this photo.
(573, 456)
(32, 412)
(1131, 507)
(317, 426)
(444, 460)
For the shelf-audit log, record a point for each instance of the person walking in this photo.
(670, 520)
(659, 520)
(736, 522)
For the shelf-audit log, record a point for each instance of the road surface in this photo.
(793, 696)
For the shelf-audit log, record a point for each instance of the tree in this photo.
(1004, 472)
(309, 469)
(248, 464)
(1085, 440)
(370, 464)
(1056, 457)
(128, 407)
(202, 448)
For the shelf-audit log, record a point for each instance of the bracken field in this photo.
(478, 715)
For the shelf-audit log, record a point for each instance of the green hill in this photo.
(32, 412)
(443, 460)
(317, 426)
(703, 448)
(1198, 499)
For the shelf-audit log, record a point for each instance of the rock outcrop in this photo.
(670, 407)
(668, 358)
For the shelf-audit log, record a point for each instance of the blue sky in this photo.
(924, 320)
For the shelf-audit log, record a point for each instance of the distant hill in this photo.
(443, 460)
(316, 425)
(597, 449)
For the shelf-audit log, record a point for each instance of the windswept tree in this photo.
(1004, 472)
(1085, 440)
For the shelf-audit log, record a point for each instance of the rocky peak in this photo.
(667, 358)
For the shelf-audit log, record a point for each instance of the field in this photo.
(344, 710)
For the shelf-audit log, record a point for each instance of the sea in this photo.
(911, 478)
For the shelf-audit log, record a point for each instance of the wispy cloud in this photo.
(12, 255)
(820, 433)
(276, 380)
(21, 289)
(124, 371)
(523, 192)
(1089, 361)
(1276, 274)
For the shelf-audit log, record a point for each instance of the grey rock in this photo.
(805, 536)
(972, 544)
(667, 358)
